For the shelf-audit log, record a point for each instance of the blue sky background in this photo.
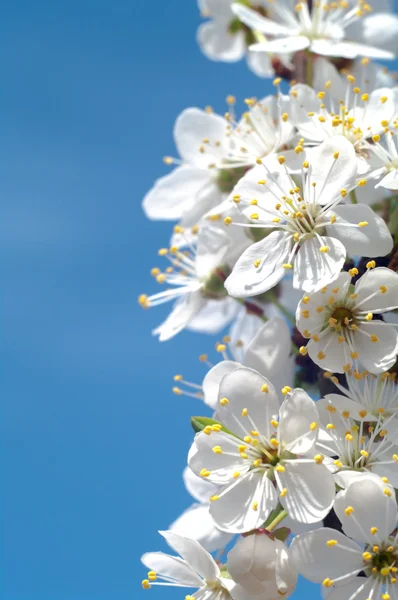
(93, 442)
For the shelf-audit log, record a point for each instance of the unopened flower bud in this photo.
(261, 565)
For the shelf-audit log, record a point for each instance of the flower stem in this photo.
(353, 197)
(278, 519)
(309, 68)
(272, 298)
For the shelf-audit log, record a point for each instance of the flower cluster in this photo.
(286, 233)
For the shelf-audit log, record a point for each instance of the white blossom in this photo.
(197, 286)
(268, 457)
(323, 30)
(224, 38)
(312, 230)
(338, 321)
(357, 442)
(368, 513)
(195, 569)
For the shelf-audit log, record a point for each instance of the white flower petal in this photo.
(306, 501)
(282, 45)
(255, 21)
(304, 100)
(297, 413)
(246, 504)
(195, 556)
(182, 313)
(371, 282)
(175, 193)
(342, 403)
(221, 466)
(377, 110)
(243, 388)
(259, 64)
(217, 43)
(376, 357)
(372, 508)
(372, 240)
(248, 280)
(212, 248)
(199, 488)
(359, 588)
(329, 353)
(331, 175)
(314, 269)
(348, 50)
(173, 567)
(197, 524)
(316, 561)
(380, 30)
(390, 181)
(212, 381)
(191, 127)
(214, 315)
(270, 348)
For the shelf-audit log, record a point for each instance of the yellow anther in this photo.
(145, 584)
(265, 388)
(349, 510)
(321, 355)
(262, 181)
(363, 413)
(376, 138)
(320, 309)
(313, 426)
(163, 251)
(144, 301)
(319, 458)
(286, 390)
(224, 401)
(245, 412)
(305, 314)
(336, 155)
(280, 468)
(257, 263)
(383, 289)
(348, 437)
(214, 498)
(374, 338)
(306, 164)
(204, 473)
(274, 423)
(255, 506)
(362, 182)
(367, 556)
(285, 117)
(386, 596)
(217, 449)
(230, 100)
(371, 264)
(247, 439)
(152, 575)
(254, 216)
(387, 492)
(303, 351)
(281, 160)
(364, 453)
(236, 198)
(327, 583)
(277, 81)
(274, 442)
(369, 316)
(331, 543)
(257, 462)
(254, 433)
(363, 224)
(244, 456)
(203, 357)
(227, 221)
(324, 249)
(241, 448)
(365, 97)
(373, 530)
(177, 391)
(384, 99)
(276, 220)
(283, 493)
(236, 474)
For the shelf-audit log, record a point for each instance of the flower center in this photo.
(228, 178)
(342, 315)
(380, 562)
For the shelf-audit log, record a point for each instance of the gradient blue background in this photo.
(93, 442)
